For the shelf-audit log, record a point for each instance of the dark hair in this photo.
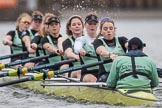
(135, 44)
(68, 32)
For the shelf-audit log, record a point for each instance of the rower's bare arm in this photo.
(82, 52)
(102, 51)
(34, 46)
(126, 45)
(7, 40)
(59, 44)
(50, 48)
(71, 55)
(27, 41)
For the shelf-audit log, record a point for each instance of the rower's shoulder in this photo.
(81, 39)
(122, 38)
(11, 33)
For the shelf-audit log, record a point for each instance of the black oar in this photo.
(16, 46)
(90, 55)
(49, 74)
(21, 46)
(24, 70)
(2, 66)
(13, 55)
(81, 67)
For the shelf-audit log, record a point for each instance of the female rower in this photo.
(14, 38)
(52, 42)
(29, 34)
(110, 46)
(74, 29)
(36, 41)
(83, 45)
(42, 33)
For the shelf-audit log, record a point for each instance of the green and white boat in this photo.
(91, 92)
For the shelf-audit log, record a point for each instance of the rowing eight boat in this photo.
(91, 92)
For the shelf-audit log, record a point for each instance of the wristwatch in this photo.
(109, 54)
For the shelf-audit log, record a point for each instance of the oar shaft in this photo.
(31, 78)
(21, 46)
(12, 55)
(4, 75)
(25, 70)
(97, 63)
(14, 82)
(28, 60)
(45, 66)
(81, 67)
(16, 46)
(90, 55)
(52, 73)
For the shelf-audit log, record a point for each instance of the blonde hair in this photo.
(19, 19)
(68, 32)
(42, 31)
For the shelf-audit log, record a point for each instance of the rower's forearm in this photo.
(73, 56)
(27, 41)
(105, 53)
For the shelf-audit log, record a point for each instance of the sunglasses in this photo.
(26, 22)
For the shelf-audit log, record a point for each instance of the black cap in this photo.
(135, 44)
(91, 18)
(37, 17)
(53, 19)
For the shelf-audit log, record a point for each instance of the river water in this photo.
(149, 29)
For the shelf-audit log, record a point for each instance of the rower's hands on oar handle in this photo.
(113, 56)
(58, 52)
(82, 52)
(110, 55)
(7, 42)
(31, 50)
(34, 46)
